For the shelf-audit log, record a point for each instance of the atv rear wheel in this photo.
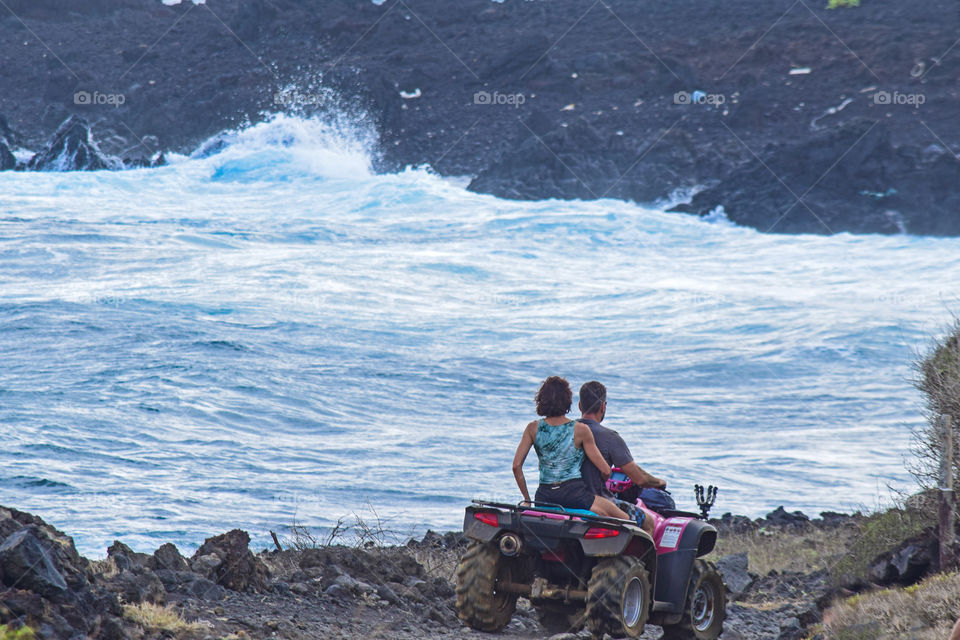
(479, 604)
(618, 597)
(706, 606)
(557, 617)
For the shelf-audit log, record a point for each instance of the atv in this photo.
(578, 568)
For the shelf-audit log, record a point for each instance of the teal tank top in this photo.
(560, 459)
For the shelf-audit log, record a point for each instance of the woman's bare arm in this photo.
(529, 434)
(585, 436)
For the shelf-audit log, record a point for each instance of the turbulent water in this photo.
(275, 332)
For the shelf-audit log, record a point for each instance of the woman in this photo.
(561, 444)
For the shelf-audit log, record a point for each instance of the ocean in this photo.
(275, 333)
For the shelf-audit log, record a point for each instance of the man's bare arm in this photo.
(641, 478)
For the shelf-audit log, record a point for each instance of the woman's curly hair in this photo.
(553, 397)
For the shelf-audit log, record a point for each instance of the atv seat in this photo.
(561, 511)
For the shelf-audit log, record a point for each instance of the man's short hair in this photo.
(554, 397)
(592, 396)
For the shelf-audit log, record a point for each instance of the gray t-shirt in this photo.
(613, 449)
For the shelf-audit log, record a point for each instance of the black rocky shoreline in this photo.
(794, 118)
(370, 591)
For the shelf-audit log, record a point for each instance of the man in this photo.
(593, 408)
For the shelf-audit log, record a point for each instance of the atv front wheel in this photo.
(618, 598)
(706, 606)
(479, 604)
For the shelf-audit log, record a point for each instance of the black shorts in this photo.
(572, 494)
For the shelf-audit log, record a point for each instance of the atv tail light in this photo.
(594, 533)
(487, 518)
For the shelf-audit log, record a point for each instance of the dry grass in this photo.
(105, 568)
(787, 551)
(158, 617)
(925, 611)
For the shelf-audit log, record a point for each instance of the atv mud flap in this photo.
(674, 567)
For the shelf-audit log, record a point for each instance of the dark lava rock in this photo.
(787, 585)
(850, 178)
(909, 562)
(145, 587)
(377, 566)
(27, 565)
(578, 162)
(48, 582)
(729, 523)
(781, 519)
(205, 589)
(831, 519)
(733, 568)
(70, 149)
(126, 558)
(7, 159)
(167, 557)
(238, 569)
(172, 580)
(554, 54)
(433, 540)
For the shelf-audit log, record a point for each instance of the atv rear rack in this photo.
(533, 505)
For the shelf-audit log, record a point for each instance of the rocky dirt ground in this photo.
(226, 591)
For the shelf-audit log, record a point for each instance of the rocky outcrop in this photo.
(71, 148)
(617, 120)
(48, 584)
(576, 161)
(7, 144)
(226, 560)
(909, 562)
(851, 178)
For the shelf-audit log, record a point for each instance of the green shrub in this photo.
(838, 4)
(938, 378)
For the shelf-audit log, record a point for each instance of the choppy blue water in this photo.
(275, 330)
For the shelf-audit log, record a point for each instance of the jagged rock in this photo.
(145, 587)
(7, 159)
(300, 588)
(206, 590)
(432, 539)
(578, 162)
(782, 519)
(167, 557)
(71, 148)
(7, 144)
(833, 519)
(173, 580)
(27, 564)
(238, 569)
(852, 179)
(909, 562)
(112, 629)
(206, 564)
(735, 574)
(791, 629)
(729, 523)
(126, 558)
